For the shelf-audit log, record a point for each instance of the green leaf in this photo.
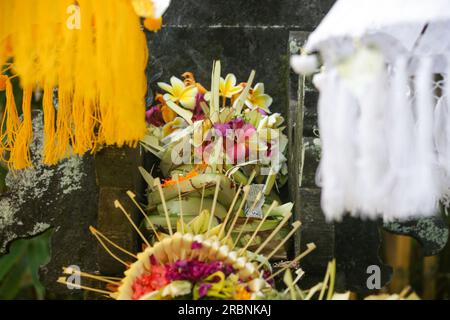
(19, 269)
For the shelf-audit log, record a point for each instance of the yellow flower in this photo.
(258, 99)
(179, 92)
(227, 86)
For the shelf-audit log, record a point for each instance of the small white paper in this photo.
(253, 193)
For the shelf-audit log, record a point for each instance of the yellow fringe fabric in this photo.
(94, 53)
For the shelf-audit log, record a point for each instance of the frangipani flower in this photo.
(227, 86)
(258, 99)
(179, 92)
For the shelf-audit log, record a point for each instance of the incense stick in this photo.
(119, 205)
(132, 197)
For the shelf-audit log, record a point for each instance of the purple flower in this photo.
(237, 123)
(154, 116)
(196, 245)
(263, 112)
(203, 289)
(222, 128)
(198, 113)
(195, 270)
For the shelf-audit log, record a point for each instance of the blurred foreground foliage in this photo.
(19, 269)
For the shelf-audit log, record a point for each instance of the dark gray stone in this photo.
(62, 197)
(358, 247)
(431, 233)
(287, 14)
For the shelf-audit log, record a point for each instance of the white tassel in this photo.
(337, 117)
(442, 136)
(372, 161)
(426, 174)
(400, 191)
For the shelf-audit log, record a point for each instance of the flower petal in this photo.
(178, 86)
(258, 89)
(166, 87)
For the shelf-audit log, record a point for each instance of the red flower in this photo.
(150, 281)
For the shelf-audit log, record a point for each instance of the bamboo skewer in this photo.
(119, 205)
(163, 200)
(300, 273)
(233, 203)
(310, 247)
(332, 279)
(295, 226)
(274, 232)
(98, 234)
(325, 281)
(236, 215)
(63, 280)
(252, 238)
(201, 201)
(88, 275)
(132, 197)
(110, 252)
(181, 207)
(213, 208)
(241, 231)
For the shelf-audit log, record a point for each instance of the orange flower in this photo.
(242, 293)
(171, 182)
(167, 114)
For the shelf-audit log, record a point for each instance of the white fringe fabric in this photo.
(387, 153)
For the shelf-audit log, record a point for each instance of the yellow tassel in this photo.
(12, 120)
(64, 135)
(20, 153)
(49, 126)
(101, 82)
